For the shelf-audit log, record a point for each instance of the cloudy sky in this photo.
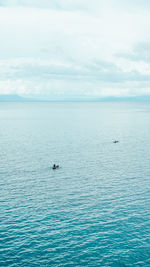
(91, 48)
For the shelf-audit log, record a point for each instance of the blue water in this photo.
(95, 209)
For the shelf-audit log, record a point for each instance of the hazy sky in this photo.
(75, 47)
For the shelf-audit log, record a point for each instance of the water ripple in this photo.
(95, 209)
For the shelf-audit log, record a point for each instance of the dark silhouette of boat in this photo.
(55, 167)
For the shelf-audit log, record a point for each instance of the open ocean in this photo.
(95, 209)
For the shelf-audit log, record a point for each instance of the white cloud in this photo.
(73, 47)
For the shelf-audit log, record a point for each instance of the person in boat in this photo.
(55, 166)
(115, 141)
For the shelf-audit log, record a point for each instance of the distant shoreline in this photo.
(17, 98)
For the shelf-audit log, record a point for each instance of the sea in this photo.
(92, 211)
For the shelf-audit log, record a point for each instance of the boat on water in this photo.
(55, 167)
(116, 141)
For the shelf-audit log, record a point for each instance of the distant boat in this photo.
(116, 141)
(55, 167)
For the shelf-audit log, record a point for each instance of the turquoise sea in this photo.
(95, 209)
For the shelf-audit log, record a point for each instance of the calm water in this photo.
(95, 209)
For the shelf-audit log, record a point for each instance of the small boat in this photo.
(55, 167)
(116, 141)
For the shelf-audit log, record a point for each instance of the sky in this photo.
(75, 48)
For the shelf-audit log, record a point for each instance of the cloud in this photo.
(74, 47)
(94, 5)
(51, 78)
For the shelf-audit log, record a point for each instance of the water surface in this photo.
(95, 209)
